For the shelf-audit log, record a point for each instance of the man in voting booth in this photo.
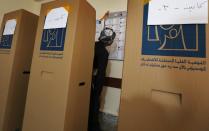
(101, 55)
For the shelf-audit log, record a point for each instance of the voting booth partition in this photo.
(59, 87)
(166, 77)
(17, 37)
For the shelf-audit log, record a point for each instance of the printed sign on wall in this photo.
(173, 40)
(117, 22)
(99, 28)
(53, 37)
(6, 38)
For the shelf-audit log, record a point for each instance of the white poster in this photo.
(117, 22)
(10, 27)
(99, 28)
(56, 18)
(166, 12)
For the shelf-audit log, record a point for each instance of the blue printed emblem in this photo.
(53, 39)
(6, 42)
(173, 40)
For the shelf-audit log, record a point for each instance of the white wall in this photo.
(103, 6)
(11, 5)
(111, 97)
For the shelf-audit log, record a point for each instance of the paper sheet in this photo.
(117, 21)
(10, 27)
(56, 18)
(99, 28)
(166, 12)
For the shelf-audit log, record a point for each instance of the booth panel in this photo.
(16, 49)
(165, 81)
(51, 88)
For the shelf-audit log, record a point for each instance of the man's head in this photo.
(107, 36)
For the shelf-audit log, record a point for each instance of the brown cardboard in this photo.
(57, 99)
(157, 99)
(14, 65)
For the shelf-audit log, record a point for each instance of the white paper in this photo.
(164, 12)
(117, 22)
(123, 28)
(109, 26)
(10, 27)
(122, 37)
(116, 28)
(123, 20)
(121, 43)
(121, 53)
(56, 18)
(99, 28)
(109, 22)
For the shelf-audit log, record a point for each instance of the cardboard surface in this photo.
(56, 100)
(165, 90)
(15, 62)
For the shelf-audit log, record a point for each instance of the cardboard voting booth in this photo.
(17, 39)
(59, 88)
(166, 77)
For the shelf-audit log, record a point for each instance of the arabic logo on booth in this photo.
(6, 41)
(173, 40)
(53, 39)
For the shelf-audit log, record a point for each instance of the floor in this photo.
(108, 122)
